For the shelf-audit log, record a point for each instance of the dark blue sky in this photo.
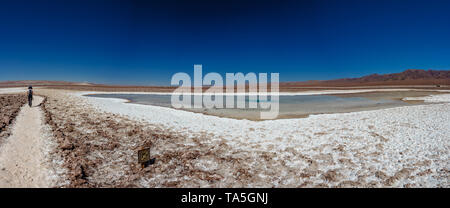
(145, 42)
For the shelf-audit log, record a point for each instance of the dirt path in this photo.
(22, 156)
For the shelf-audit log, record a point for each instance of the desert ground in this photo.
(69, 140)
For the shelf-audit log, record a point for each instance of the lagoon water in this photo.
(294, 106)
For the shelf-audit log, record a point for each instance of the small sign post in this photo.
(144, 156)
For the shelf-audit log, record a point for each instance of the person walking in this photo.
(30, 96)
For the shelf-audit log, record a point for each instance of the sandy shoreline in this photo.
(25, 160)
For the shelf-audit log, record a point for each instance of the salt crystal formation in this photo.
(9, 108)
(395, 147)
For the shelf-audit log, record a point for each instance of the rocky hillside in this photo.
(410, 74)
(408, 77)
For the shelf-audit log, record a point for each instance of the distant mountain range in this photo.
(22, 83)
(408, 77)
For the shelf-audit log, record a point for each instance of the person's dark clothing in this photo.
(30, 97)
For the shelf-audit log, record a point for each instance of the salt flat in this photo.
(396, 147)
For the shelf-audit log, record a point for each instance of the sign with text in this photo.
(144, 156)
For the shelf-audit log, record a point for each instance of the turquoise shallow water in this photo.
(290, 106)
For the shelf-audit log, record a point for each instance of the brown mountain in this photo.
(431, 78)
(408, 77)
(24, 83)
